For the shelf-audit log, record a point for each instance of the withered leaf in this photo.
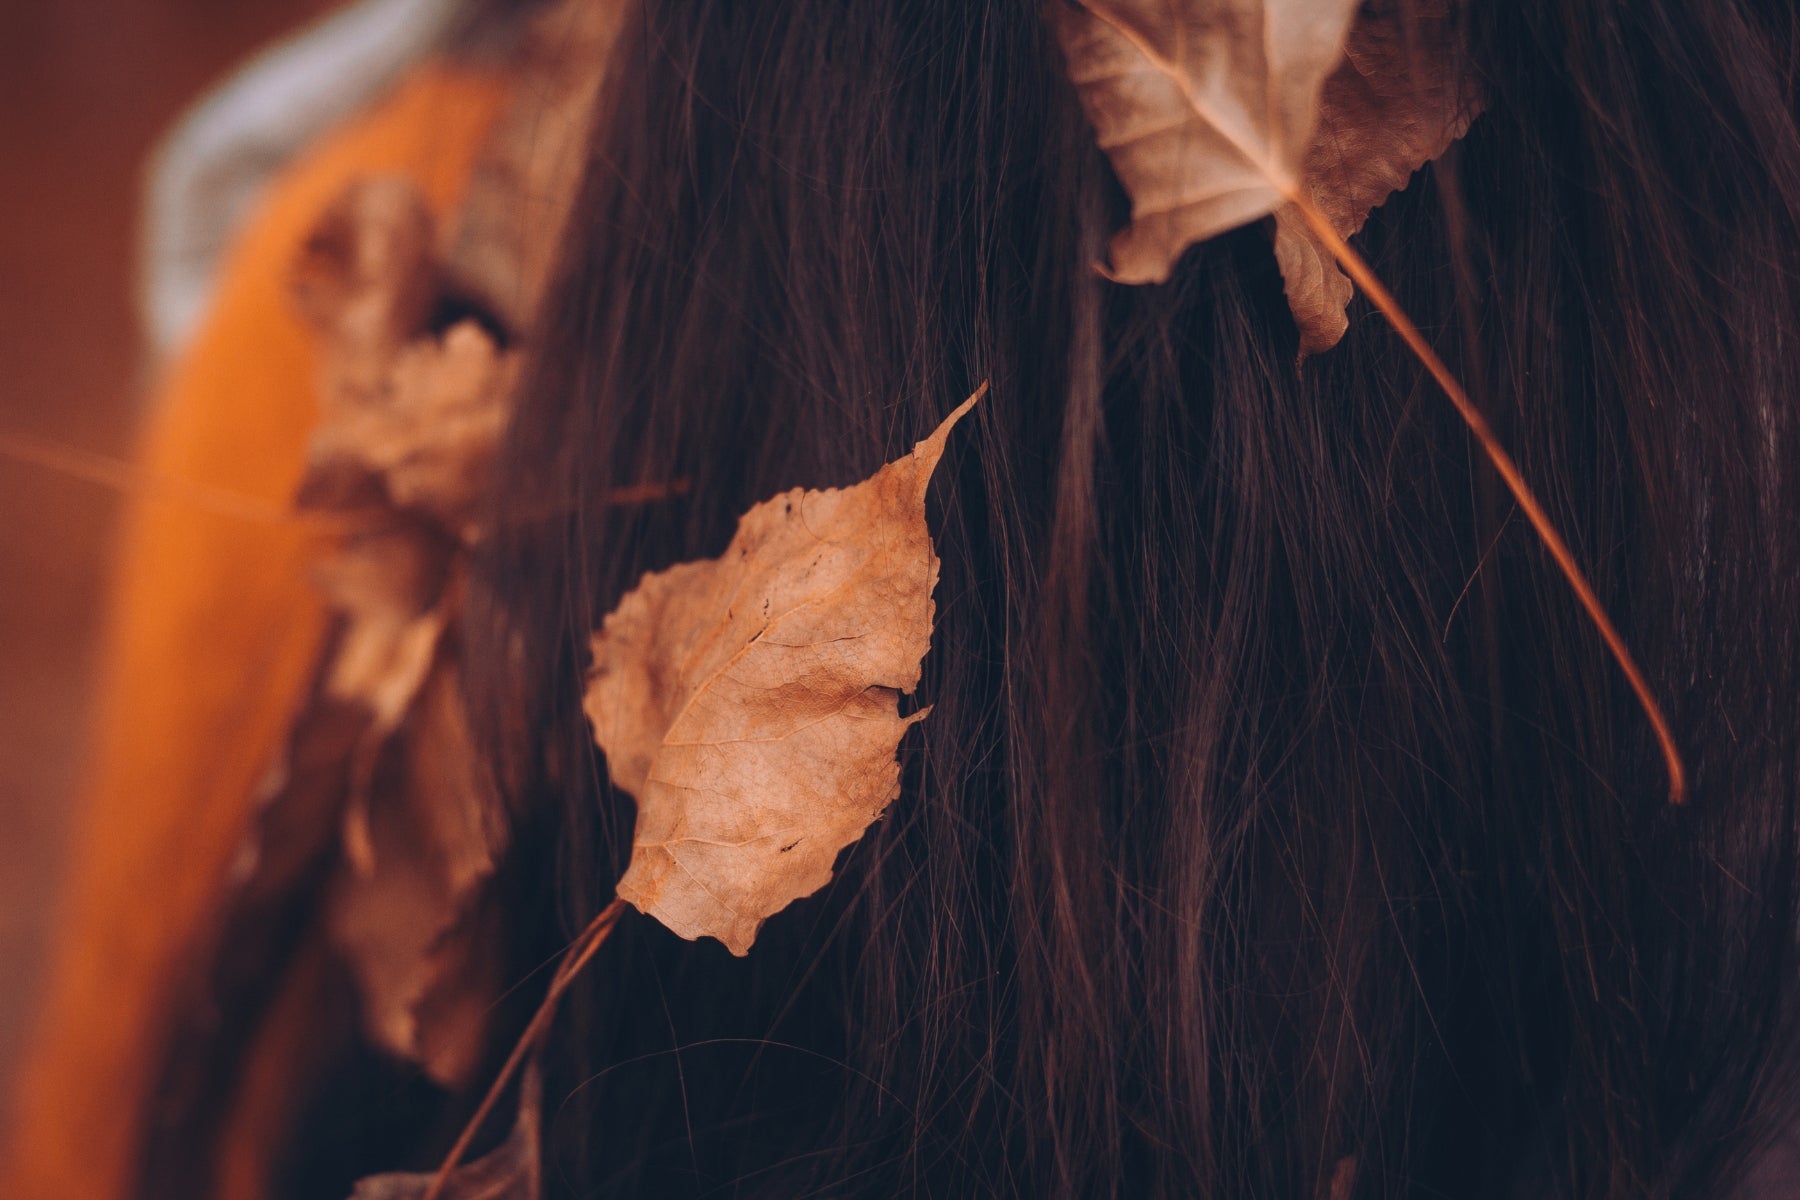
(1204, 107)
(406, 909)
(1217, 112)
(1393, 105)
(388, 581)
(751, 702)
(426, 437)
(410, 419)
(368, 278)
(511, 1171)
(409, 422)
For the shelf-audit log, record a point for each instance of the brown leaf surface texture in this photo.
(751, 702)
(511, 1171)
(1395, 104)
(1204, 107)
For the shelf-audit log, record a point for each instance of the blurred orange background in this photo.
(86, 88)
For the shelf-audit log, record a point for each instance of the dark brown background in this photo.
(86, 86)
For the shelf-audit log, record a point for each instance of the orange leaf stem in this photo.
(1358, 269)
(581, 951)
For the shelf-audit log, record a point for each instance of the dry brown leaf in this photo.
(388, 582)
(406, 908)
(1395, 104)
(409, 425)
(511, 1171)
(1204, 107)
(1217, 112)
(410, 417)
(368, 278)
(751, 702)
(426, 438)
(410, 420)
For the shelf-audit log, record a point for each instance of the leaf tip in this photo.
(929, 451)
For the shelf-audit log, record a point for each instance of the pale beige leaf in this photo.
(511, 1171)
(751, 702)
(1393, 105)
(1204, 107)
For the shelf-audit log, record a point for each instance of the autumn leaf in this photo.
(368, 277)
(426, 439)
(511, 1171)
(387, 582)
(407, 908)
(1217, 112)
(1204, 107)
(1393, 105)
(409, 421)
(1207, 110)
(751, 702)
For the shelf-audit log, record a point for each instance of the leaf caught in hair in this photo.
(411, 418)
(1204, 107)
(388, 582)
(428, 439)
(409, 423)
(408, 908)
(1215, 113)
(368, 277)
(1207, 109)
(512, 1171)
(751, 702)
(1395, 104)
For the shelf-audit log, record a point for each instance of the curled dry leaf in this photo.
(410, 419)
(511, 1171)
(388, 582)
(427, 438)
(1393, 105)
(407, 907)
(1204, 107)
(409, 422)
(367, 277)
(1215, 113)
(751, 702)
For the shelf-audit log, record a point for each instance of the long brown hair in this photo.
(1280, 817)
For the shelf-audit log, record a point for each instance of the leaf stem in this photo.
(580, 952)
(1365, 278)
